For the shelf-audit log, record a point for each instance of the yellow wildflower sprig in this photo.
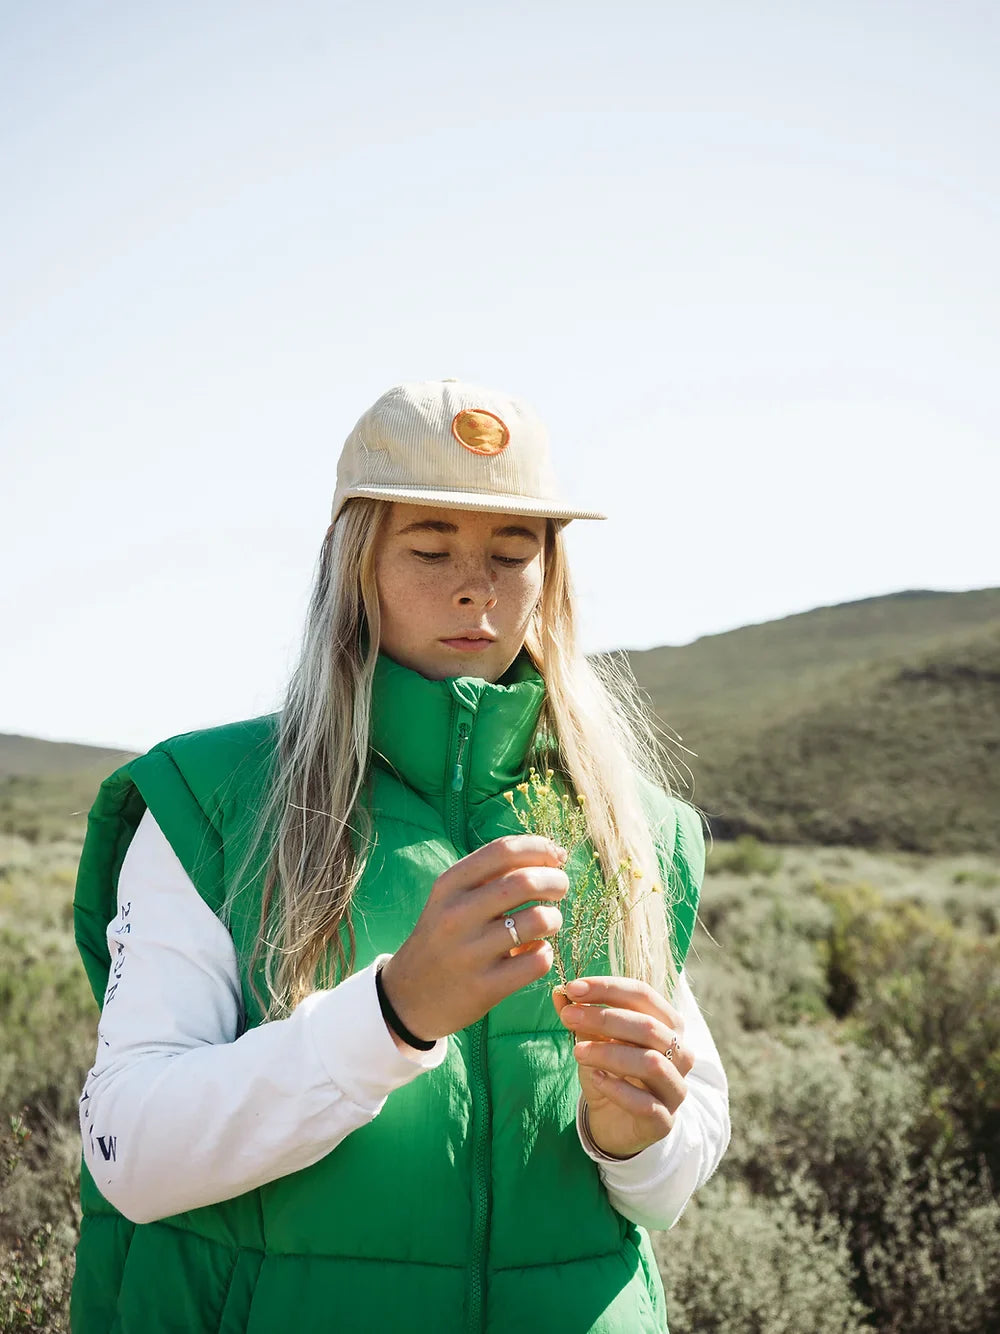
(598, 903)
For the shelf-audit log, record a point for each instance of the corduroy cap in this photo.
(455, 445)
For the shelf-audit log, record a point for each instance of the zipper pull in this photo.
(458, 777)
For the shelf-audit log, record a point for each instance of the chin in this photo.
(487, 665)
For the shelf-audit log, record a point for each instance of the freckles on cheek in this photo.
(403, 589)
(419, 590)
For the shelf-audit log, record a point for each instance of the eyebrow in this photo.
(441, 526)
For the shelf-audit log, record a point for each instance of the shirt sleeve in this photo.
(183, 1109)
(653, 1188)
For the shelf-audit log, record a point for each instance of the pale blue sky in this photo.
(742, 258)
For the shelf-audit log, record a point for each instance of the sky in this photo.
(742, 259)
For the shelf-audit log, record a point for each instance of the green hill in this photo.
(873, 723)
(27, 755)
(47, 787)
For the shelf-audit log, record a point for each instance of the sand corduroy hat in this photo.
(455, 445)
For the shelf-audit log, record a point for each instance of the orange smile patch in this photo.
(479, 431)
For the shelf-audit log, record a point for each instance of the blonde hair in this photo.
(606, 743)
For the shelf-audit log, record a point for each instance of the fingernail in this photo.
(561, 853)
(577, 988)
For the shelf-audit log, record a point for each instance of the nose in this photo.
(476, 588)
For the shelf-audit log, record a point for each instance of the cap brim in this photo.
(470, 500)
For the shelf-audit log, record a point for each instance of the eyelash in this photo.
(432, 557)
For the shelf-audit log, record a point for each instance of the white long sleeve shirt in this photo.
(183, 1109)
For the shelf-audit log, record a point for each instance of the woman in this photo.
(335, 1088)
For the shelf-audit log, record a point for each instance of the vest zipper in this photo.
(458, 777)
(481, 1215)
(458, 829)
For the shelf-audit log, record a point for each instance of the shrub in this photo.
(845, 1133)
(915, 985)
(735, 1265)
(935, 1267)
(769, 974)
(747, 856)
(866, 936)
(982, 879)
(49, 1025)
(38, 1228)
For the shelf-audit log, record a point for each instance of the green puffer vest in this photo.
(467, 1204)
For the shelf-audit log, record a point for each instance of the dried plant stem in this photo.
(597, 903)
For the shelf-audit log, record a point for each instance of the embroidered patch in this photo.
(480, 431)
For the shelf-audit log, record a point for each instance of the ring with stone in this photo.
(671, 1051)
(511, 926)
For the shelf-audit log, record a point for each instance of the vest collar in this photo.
(415, 726)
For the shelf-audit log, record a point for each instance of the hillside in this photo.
(47, 787)
(726, 681)
(874, 723)
(27, 755)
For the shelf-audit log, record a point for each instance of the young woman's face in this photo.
(457, 588)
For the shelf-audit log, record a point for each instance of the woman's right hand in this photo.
(459, 960)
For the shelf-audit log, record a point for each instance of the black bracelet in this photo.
(392, 1018)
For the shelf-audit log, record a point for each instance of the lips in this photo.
(468, 634)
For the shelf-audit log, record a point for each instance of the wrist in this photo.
(400, 1033)
(588, 1135)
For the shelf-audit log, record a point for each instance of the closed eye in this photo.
(432, 556)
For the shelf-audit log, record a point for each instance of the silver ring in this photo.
(511, 926)
(672, 1049)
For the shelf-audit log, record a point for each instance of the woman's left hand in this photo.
(624, 1028)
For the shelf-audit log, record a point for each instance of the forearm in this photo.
(170, 1130)
(179, 1111)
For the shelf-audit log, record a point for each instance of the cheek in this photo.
(392, 593)
(527, 592)
(402, 588)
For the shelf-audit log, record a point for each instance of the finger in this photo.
(638, 1102)
(497, 857)
(561, 1001)
(650, 1068)
(530, 924)
(627, 993)
(524, 885)
(639, 1030)
(527, 948)
(519, 968)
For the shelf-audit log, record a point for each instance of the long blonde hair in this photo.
(319, 825)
